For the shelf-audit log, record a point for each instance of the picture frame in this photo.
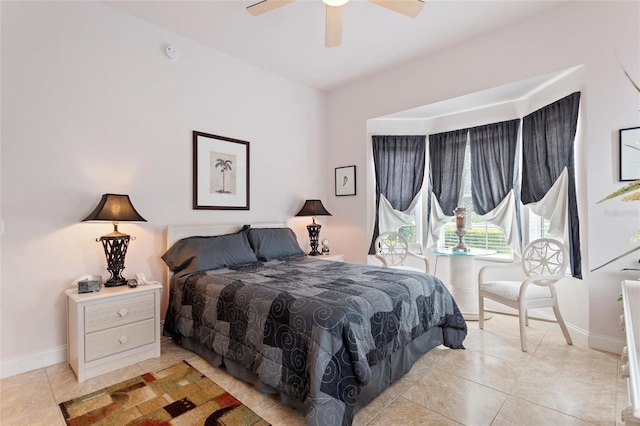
(629, 154)
(345, 181)
(220, 173)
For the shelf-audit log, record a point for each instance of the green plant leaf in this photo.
(624, 190)
(627, 74)
(631, 80)
(616, 258)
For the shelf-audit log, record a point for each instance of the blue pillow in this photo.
(194, 254)
(274, 243)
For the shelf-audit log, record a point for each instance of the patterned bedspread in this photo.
(311, 328)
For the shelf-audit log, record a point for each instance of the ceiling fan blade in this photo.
(266, 6)
(410, 8)
(333, 26)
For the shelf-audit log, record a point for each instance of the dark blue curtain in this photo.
(493, 150)
(446, 165)
(399, 162)
(548, 136)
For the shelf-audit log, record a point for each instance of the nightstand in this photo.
(333, 257)
(113, 328)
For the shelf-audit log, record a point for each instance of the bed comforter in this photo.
(311, 328)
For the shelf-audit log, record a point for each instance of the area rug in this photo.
(178, 395)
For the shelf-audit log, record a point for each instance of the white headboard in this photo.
(178, 232)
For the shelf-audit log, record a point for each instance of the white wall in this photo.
(90, 104)
(579, 33)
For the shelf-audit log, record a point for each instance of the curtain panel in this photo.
(548, 136)
(446, 169)
(493, 156)
(493, 150)
(399, 162)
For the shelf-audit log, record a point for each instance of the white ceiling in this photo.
(495, 96)
(289, 41)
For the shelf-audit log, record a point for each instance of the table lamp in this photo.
(115, 208)
(313, 208)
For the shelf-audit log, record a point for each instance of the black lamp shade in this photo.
(313, 208)
(115, 208)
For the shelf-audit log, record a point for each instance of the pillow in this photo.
(274, 243)
(195, 254)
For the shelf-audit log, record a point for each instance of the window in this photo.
(535, 226)
(410, 230)
(480, 233)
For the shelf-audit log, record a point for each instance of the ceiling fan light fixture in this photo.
(335, 3)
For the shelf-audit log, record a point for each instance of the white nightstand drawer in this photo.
(121, 312)
(112, 328)
(119, 339)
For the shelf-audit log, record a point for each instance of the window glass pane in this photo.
(538, 226)
(408, 231)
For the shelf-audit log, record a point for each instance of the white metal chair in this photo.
(392, 249)
(544, 262)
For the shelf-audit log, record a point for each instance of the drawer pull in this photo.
(123, 339)
(123, 312)
(624, 371)
(626, 415)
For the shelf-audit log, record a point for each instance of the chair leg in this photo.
(481, 312)
(523, 329)
(563, 326)
(526, 317)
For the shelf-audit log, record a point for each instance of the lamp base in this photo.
(110, 283)
(115, 249)
(314, 232)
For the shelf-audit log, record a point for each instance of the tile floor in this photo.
(492, 382)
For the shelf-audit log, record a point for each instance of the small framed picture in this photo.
(630, 154)
(345, 180)
(220, 173)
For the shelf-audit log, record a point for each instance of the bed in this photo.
(327, 336)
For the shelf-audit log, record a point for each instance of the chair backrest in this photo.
(393, 247)
(545, 256)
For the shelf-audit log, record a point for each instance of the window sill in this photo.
(499, 258)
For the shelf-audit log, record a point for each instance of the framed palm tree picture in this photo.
(220, 173)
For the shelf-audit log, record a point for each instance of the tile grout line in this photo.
(53, 396)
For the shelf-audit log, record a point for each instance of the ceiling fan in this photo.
(333, 20)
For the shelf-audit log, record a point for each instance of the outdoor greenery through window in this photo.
(408, 231)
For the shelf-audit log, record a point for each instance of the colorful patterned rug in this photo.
(178, 395)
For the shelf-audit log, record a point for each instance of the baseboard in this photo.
(606, 343)
(594, 341)
(34, 361)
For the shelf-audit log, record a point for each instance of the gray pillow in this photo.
(195, 254)
(274, 243)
